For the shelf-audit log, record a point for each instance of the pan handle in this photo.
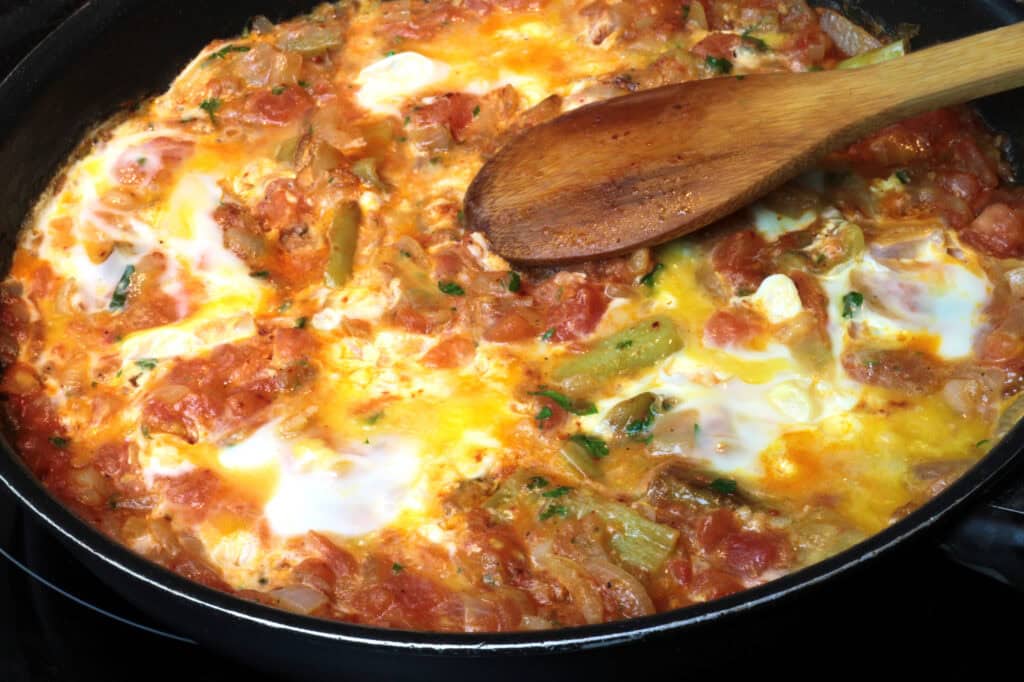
(990, 538)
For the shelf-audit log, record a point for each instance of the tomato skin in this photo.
(453, 110)
(570, 309)
(902, 369)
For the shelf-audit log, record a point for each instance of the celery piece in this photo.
(876, 56)
(343, 237)
(638, 541)
(579, 459)
(633, 348)
(310, 39)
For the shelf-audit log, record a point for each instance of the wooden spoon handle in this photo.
(939, 76)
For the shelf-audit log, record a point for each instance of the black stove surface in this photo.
(916, 612)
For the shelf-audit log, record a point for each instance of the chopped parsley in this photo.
(554, 510)
(260, 274)
(211, 106)
(278, 90)
(561, 491)
(225, 51)
(304, 84)
(514, 282)
(389, 53)
(852, 303)
(117, 300)
(623, 345)
(566, 403)
(595, 446)
(141, 161)
(536, 483)
(546, 336)
(374, 418)
(903, 176)
(301, 322)
(718, 65)
(284, 306)
(397, 567)
(981, 443)
(724, 486)
(451, 288)
(146, 363)
(59, 442)
(649, 279)
(476, 111)
(543, 415)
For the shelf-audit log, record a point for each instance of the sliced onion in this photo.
(697, 16)
(629, 592)
(262, 25)
(573, 578)
(850, 38)
(1010, 416)
(299, 598)
(1015, 278)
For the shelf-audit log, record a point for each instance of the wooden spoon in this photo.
(645, 168)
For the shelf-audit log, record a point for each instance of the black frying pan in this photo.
(114, 52)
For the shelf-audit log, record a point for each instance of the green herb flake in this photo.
(543, 415)
(623, 345)
(211, 106)
(514, 282)
(59, 442)
(284, 306)
(225, 51)
(390, 53)
(141, 161)
(145, 431)
(553, 510)
(718, 65)
(301, 322)
(546, 336)
(640, 426)
(146, 363)
(724, 486)
(117, 300)
(852, 303)
(278, 90)
(903, 176)
(757, 43)
(649, 279)
(476, 111)
(536, 483)
(981, 443)
(559, 492)
(260, 274)
(397, 567)
(451, 288)
(597, 448)
(374, 418)
(304, 84)
(566, 403)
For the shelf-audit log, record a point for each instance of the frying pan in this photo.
(112, 53)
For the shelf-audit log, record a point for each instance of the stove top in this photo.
(915, 612)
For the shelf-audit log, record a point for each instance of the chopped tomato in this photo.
(733, 327)
(280, 106)
(998, 231)
(737, 259)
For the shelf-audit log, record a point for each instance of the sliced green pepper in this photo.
(343, 236)
(633, 348)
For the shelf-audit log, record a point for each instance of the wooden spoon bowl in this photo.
(646, 168)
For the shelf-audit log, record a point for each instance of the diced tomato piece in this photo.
(733, 327)
(278, 107)
(453, 110)
(750, 554)
(511, 326)
(714, 527)
(737, 259)
(456, 351)
(720, 45)
(572, 310)
(998, 231)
